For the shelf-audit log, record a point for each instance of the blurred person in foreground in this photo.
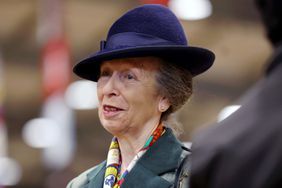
(244, 150)
(144, 74)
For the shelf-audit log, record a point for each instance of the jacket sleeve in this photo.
(80, 180)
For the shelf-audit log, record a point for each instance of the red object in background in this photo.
(3, 130)
(55, 66)
(3, 135)
(1, 116)
(162, 2)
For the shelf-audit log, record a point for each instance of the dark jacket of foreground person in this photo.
(244, 150)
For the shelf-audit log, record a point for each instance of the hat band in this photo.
(132, 39)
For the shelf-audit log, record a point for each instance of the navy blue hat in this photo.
(148, 30)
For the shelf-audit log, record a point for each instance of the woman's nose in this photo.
(110, 87)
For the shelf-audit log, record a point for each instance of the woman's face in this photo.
(127, 94)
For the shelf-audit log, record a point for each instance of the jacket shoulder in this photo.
(180, 177)
(81, 180)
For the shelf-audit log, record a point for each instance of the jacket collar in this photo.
(163, 156)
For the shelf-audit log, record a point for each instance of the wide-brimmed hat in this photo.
(148, 30)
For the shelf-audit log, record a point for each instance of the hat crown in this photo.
(154, 20)
(148, 30)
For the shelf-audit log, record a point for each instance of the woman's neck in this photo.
(131, 142)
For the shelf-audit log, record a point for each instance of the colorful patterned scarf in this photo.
(113, 178)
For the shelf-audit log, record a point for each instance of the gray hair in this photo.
(175, 83)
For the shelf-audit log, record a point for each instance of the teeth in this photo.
(107, 108)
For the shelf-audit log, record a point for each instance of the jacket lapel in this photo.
(96, 177)
(163, 156)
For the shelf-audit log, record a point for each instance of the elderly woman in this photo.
(144, 74)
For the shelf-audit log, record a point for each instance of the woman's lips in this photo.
(111, 111)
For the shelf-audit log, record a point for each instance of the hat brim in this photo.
(194, 59)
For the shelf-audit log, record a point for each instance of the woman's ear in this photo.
(164, 104)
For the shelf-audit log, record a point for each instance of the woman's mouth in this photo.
(111, 111)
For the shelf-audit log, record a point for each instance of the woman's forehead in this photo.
(152, 63)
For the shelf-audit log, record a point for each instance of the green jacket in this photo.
(155, 169)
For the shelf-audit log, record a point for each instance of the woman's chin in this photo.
(114, 128)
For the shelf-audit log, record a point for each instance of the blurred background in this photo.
(49, 128)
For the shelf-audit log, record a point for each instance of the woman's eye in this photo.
(104, 73)
(129, 76)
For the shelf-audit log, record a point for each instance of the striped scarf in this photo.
(113, 178)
